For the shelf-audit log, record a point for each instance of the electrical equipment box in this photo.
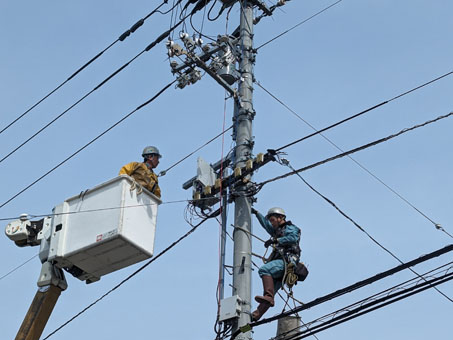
(230, 308)
(104, 229)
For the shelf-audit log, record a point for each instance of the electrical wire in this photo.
(149, 47)
(360, 148)
(200, 34)
(101, 209)
(132, 275)
(271, 11)
(88, 144)
(359, 227)
(218, 15)
(354, 286)
(357, 114)
(164, 172)
(436, 225)
(122, 37)
(301, 23)
(17, 267)
(376, 301)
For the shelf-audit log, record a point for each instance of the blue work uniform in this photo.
(288, 237)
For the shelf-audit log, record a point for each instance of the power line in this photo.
(360, 148)
(370, 304)
(300, 23)
(357, 114)
(436, 225)
(164, 172)
(122, 37)
(89, 143)
(354, 286)
(104, 209)
(360, 227)
(149, 47)
(17, 267)
(441, 269)
(133, 274)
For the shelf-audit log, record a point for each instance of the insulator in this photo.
(260, 158)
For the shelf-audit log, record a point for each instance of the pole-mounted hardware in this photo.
(217, 59)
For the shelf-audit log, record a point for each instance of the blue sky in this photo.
(352, 57)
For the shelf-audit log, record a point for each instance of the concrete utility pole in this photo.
(287, 327)
(243, 134)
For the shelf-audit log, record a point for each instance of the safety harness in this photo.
(290, 254)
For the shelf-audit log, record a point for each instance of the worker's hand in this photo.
(254, 211)
(269, 242)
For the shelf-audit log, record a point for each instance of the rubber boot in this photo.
(268, 295)
(267, 300)
(260, 310)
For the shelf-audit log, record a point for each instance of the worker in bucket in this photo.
(285, 238)
(143, 172)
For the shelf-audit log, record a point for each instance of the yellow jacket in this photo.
(142, 175)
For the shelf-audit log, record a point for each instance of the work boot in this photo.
(268, 295)
(260, 310)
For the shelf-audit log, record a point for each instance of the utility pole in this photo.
(243, 134)
(39, 312)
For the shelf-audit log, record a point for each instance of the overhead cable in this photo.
(89, 143)
(164, 172)
(353, 287)
(17, 267)
(122, 37)
(359, 226)
(75, 212)
(149, 47)
(300, 23)
(215, 213)
(360, 148)
(357, 114)
(370, 304)
(436, 225)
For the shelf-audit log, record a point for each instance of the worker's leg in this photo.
(268, 272)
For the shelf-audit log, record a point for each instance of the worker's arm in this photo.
(264, 223)
(291, 236)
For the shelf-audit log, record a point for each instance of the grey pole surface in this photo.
(242, 218)
(287, 327)
(222, 246)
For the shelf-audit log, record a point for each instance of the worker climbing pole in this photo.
(282, 267)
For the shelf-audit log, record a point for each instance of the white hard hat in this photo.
(276, 211)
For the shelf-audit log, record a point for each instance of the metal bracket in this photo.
(51, 275)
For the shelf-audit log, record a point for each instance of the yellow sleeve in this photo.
(127, 169)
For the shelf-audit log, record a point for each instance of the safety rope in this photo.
(137, 187)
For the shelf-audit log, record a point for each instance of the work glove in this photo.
(270, 241)
(254, 211)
